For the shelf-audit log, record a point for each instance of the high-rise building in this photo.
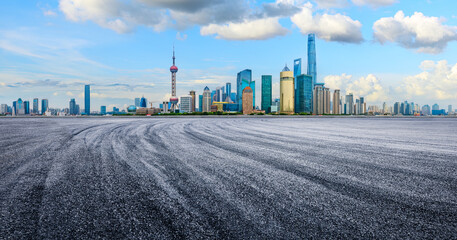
(87, 99)
(327, 107)
(186, 104)
(143, 102)
(336, 102)
(243, 80)
(297, 68)
(449, 109)
(192, 107)
(397, 108)
(3, 108)
(35, 106)
(26, 107)
(312, 70)
(349, 105)
(137, 102)
(362, 106)
(267, 93)
(173, 69)
(287, 91)
(247, 100)
(435, 107)
(44, 106)
(19, 107)
(303, 93)
(72, 109)
(385, 110)
(228, 93)
(206, 100)
(321, 99)
(102, 110)
(200, 103)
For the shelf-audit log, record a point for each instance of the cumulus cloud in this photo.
(114, 14)
(438, 81)
(368, 87)
(426, 34)
(331, 3)
(374, 3)
(337, 81)
(345, 3)
(338, 27)
(257, 29)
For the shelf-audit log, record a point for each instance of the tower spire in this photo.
(173, 54)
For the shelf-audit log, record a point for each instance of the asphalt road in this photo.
(228, 178)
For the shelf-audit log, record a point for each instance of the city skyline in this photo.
(135, 63)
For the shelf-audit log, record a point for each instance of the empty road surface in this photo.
(228, 178)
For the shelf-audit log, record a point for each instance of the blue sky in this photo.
(384, 50)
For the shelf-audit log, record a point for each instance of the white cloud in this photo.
(374, 3)
(338, 28)
(438, 81)
(368, 87)
(114, 14)
(55, 93)
(70, 94)
(426, 34)
(258, 29)
(337, 81)
(331, 3)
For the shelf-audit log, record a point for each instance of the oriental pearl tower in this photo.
(173, 99)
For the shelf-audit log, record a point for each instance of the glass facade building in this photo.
(44, 105)
(297, 67)
(267, 93)
(243, 80)
(103, 110)
(73, 107)
(228, 92)
(143, 102)
(200, 103)
(87, 99)
(312, 71)
(304, 94)
(35, 106)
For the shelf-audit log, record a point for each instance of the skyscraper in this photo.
(72, 107)
(247, 100)
(326, 92)
(297, 67)
(206, 107)
(303, 93)
(173, 69)
(44, 105)
(35, 106)
(102, 110)
(192, 94)
(185, 105)
(87, 99)
(228, 93)
(200, 103)
(26, 107)
(397, 107)
(426, 110)
(3, 108)
(336, 102)
(137, 102)
(243, 80)
(287, 91)
(267, 93)
(318, 99)
(143, 102)
(312, 58)
(449, 109)
(349, 105)
(436, 107)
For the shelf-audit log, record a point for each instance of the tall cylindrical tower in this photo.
(173, 100)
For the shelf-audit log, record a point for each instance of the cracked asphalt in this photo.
(228, 178)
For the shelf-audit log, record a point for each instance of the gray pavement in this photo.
(228, 178)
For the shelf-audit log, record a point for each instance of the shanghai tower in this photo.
(312, 58)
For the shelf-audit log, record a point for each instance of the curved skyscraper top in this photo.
(312, 57)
